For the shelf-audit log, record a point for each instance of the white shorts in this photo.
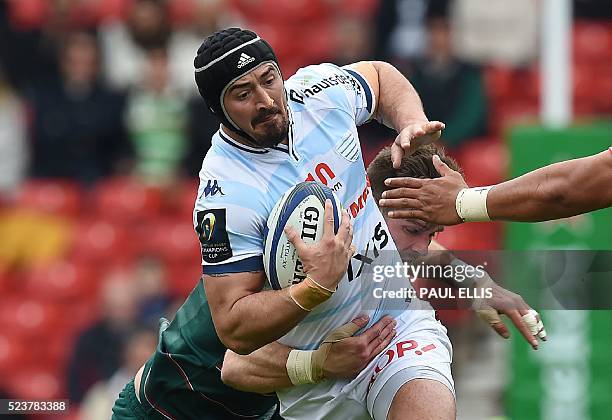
(420, 350)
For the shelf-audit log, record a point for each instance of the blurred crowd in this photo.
(102, 134)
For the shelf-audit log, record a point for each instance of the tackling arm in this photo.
(341, 355)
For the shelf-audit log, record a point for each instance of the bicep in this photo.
(224, 290)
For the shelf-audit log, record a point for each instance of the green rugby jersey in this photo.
(182, 380)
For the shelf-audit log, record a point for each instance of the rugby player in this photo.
(266, 370)
(555, 191)
(273, 136)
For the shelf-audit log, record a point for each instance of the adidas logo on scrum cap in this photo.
(244, 60)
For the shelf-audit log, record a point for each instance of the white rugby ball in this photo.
(303, 208)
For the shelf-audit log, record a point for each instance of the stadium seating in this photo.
(62, 282)
(127, 200)
(58, 197)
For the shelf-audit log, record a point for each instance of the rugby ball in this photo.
(303, 208)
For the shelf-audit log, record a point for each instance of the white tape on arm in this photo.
(471, 204)
(299, 367)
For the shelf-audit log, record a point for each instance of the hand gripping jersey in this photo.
(239, 186)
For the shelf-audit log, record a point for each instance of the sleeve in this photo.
(329, 86)
(361, 98)
(229, 227)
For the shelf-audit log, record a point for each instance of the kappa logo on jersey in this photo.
(244, 60)
(334, 80)
(212, 188)
(212, 232)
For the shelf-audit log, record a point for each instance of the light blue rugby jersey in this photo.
(239, 186)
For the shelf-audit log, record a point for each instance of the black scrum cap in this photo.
(224, 57)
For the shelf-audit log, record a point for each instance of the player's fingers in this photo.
(403, 182)
(347, 330)
(374, 331)
(328, 227)
(491, 317)
(533, 321)
(386, 335)
(401, 203)
(433, 126)
(402, 192)
(441, 167)
(409, 214)
(345, 232)
(396, 154)
(295, 239)
(517, 320)
(541, 330)
(360, 322)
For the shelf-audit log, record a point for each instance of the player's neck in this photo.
(243, 140)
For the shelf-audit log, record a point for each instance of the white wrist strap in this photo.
(471, 204)
(299, 367)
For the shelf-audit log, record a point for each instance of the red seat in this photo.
(183, 278)
(127, 200)
(28, 14)
(12, 351)
(186, 197)
(287, 11)
(174, 240)
(471, 236)
(363, 8)
(592, 42)
(35, 383)
(100, 241)
(62, 281)
(499, 82)
(484, 161)
(511, 113)
(56, 197)
(26, 317)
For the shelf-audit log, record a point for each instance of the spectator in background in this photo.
(77, 130)
(125, 44)
(98, 402)
(97, 351)
(152, 286)
(13, 139)
(400, 32)
(207, 16)
(451, 90)
(156, 120)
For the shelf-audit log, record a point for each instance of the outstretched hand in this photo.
(413, 136)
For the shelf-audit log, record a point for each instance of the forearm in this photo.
(560, 190)
(262, 371)
(398, 102)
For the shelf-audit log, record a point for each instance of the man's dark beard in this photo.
(276, 133)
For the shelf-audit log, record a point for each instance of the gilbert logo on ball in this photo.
(301, 207)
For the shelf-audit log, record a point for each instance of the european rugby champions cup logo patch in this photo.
(212, 232)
